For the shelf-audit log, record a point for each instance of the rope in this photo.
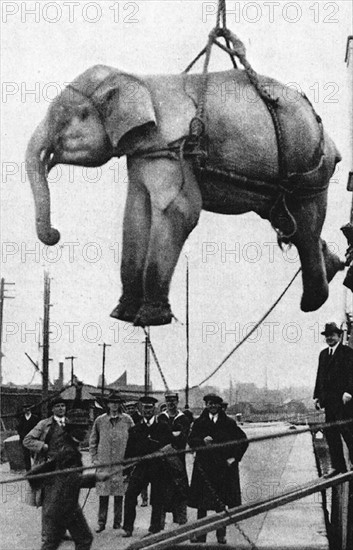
(156, 359)
(160, 454)
(250, 332)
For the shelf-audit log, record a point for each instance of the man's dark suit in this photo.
(334, 378)
(24, 426)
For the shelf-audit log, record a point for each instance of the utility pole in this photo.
(187, 335)
(45, 360)
(104, 345)
(2, 298)
(147, 361)
(72, 357)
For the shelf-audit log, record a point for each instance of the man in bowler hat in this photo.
(334, 393)
(215, 478)
(148, 436)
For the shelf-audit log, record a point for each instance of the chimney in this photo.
(61, 375)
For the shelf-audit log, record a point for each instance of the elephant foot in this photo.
(311, 301)
(153, 313)
(126, 309)
(332, 262)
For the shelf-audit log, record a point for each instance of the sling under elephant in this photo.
(107, 113)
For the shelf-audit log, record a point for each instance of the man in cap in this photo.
(146, 437)
(107, 443)
(179, 426)
(334, 393)
(45, 438)
(131, 410)
(26, 422)
(215, 477)
(60, 507)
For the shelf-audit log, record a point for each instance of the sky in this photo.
(236, 269)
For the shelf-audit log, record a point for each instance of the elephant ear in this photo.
(127, 108)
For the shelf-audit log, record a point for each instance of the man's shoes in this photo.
(222, 540)
(333, 472)
(116, 526)
(127, 534)
(100, 528)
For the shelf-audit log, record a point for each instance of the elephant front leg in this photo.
(136, 235)
(169, 230)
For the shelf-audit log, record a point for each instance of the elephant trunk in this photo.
(37, 157)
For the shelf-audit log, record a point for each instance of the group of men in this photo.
(117, 436)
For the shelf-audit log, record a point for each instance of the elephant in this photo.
(107, 113)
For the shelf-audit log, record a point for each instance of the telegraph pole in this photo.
(147, 361)
(2, 298)
(187, 335)
(45, 360)
(104, 345)
(72, 357)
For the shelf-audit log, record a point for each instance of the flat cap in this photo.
(148, 400)
(213, 398)
(56, 400)
(171, 395)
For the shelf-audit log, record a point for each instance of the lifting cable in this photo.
(255, 327)
(196, 142)
(155, 359)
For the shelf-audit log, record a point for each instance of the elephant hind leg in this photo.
(332, 262)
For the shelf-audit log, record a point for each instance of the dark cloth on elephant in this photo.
(60, 494)
(334, 378)
(143, 440)
(213, 479)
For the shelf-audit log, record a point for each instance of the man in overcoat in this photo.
(26, 422)
(215, 477)
(334, 393)
(179, 426)
(107, 444)
(60, 507)
(146, 437)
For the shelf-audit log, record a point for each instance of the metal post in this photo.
(103, 366)
(187, 335)
(45, 359)
(72, 357)
(147, 361)
(2, 298)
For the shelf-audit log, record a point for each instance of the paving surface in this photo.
(269, 468)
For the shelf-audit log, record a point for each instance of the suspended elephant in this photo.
(106, 113)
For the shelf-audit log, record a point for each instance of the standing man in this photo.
(215, 477)
(131, 410)
(25, 424)
(146, 437)
(333, 392)
(179, 426)
(45, 439)
(107, 443)
(60, 507)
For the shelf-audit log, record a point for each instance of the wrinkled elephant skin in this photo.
(106, 113)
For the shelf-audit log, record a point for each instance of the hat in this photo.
(56, 400)
(331, 328)
(148, 400)
(213, 398)
(128, 403)
(114, 397)
(171, 395)
(77, 417)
